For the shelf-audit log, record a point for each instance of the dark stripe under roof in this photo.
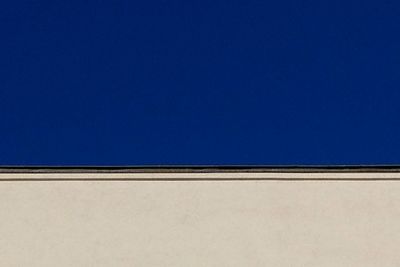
(198, 169)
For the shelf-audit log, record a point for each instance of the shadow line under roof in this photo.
(201, 173)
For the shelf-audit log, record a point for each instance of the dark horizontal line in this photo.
(201, 169)
(192, 179)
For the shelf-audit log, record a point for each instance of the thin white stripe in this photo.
(217, 175)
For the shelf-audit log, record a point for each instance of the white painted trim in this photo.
(204, 176)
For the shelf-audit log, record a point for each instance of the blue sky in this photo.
(199, 82)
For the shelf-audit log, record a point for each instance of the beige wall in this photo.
(200, 223)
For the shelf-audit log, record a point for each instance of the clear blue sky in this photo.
(199, 82)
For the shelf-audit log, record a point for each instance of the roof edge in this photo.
(200, 168)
